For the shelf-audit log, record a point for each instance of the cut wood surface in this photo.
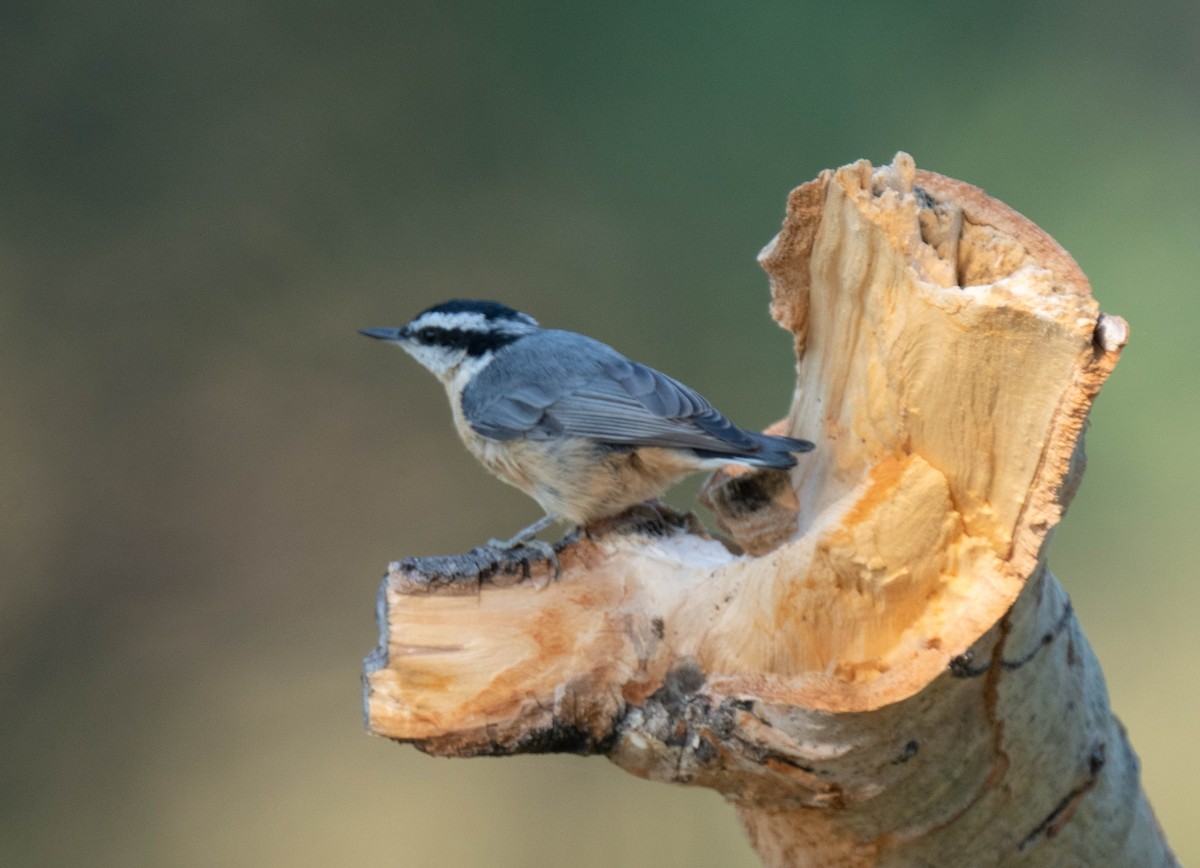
(880, 669)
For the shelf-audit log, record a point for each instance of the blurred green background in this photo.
(204, 470)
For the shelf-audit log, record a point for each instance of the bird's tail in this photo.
(774, 452)
(772, 443)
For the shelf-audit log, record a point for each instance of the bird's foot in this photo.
(544, 550)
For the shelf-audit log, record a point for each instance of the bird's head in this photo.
(444, 336)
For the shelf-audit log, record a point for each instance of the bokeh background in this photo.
(204, 470)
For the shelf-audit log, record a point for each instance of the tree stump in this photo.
(880, 669)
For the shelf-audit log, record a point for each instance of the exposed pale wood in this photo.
(890, 675)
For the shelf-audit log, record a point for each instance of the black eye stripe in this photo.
(475, 342)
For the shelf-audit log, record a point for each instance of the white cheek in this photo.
(430, 358)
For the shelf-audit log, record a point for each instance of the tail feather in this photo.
(774, 452)
(773, 443)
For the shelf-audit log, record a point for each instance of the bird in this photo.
(567, 419)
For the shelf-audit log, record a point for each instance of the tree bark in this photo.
(880, 669)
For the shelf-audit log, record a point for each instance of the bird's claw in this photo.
(544, 549)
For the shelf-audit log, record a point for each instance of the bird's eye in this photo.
(427, 335)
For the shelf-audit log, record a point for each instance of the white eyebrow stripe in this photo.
(472, 322)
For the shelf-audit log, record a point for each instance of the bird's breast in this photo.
(575, 478)
(507, 459)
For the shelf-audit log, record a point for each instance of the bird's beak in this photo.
(392, 336)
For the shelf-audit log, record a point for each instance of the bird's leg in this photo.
(523, 537)
(526, 538)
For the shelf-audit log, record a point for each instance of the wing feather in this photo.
(555, 384)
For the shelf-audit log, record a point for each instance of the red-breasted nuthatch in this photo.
(568, 420)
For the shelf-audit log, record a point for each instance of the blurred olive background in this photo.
(204, 470)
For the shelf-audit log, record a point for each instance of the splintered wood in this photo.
(885, 673)
(947, 361)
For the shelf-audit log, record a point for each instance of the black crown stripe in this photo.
(489, 309)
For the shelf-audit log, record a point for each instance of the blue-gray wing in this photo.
(560, 384)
